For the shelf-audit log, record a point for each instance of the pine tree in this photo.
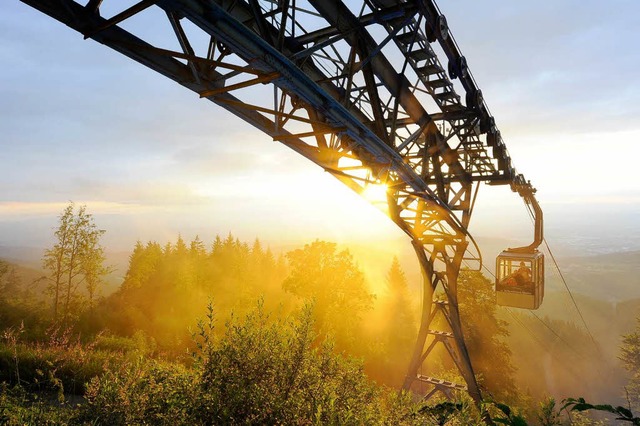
(197, 247)
(401, 323)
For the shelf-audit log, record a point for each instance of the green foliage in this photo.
(18, 306)
(259, 368)
(262, 370)
(548, 415)
(443, 413)
(139, 344)
(267, 372)
(630, 357)
(76, 257)
(9, 281)
(484, 336)
(18, 408)
(623, 414)
(141, 392)
(166, 288)
(502, 414)
(335, 284)
(62, 364)
(32, 314)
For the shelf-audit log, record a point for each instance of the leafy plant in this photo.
(548, 415)
(623, 414)
(502, 414)
(442, 413)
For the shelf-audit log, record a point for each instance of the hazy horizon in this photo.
(599, 230)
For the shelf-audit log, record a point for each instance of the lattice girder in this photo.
(360, 92)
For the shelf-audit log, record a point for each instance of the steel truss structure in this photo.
(372, 91)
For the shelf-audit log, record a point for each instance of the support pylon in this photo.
(428, 337)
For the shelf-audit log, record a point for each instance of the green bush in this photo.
(18, 408)
(40, 367)
(261, 371)
(139, 343)
(269, 372)
(144, 392)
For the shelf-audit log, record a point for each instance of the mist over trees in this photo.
(166, 288)
(485, 336)
(335, 285)
(392, 328)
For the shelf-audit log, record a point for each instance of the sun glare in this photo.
(375, 193)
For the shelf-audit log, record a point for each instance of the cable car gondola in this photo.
(520, 279)
(520, 271)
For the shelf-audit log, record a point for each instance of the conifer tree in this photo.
(485, 335)
(197, 247)
(400, 322)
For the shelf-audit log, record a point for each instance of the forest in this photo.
(229, 332)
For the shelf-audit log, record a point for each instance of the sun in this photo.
(375, 193)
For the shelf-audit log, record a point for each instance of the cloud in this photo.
(151, 194)
(21, 210)
(240, 154)
(547, 66)
(158, 192)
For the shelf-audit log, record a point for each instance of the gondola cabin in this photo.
(520, 279)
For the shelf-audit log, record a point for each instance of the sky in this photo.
(82, 123)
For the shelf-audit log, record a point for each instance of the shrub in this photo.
(144, 392)
(20, 408)
(61, 364)
(261, 371)
(267, 371)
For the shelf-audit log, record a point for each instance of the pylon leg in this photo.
(455, 345)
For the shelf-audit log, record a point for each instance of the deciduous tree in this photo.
(55, 258)
(75, 258)
(335, 283)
